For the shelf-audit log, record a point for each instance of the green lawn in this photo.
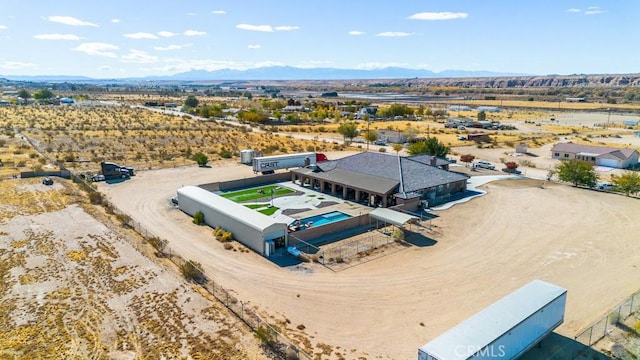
(254, 193)
(264, 208)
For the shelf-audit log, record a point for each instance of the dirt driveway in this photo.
(385, 309)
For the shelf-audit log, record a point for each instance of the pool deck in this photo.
(311, 199)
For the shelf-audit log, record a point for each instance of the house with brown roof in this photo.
(620, 158)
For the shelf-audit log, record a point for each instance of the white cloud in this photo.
(13, 65)
(104, 68)
(115, 21)
(170, 47)
(140, 57)
(194, 33)
(218, 12)
(70, 20)
(393, 34)
(140, 35)
(166, 33)
(356, 32)
(2, 27)
(573, 10)
(438, 16)
(192, 14)
(595, 11)
(286, 28)
(56, 37)
(97, 49)
(263, 28)
(376, 65)
(254, 46)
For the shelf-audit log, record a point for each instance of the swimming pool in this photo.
(324, 219)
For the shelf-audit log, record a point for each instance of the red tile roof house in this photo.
(597, 155)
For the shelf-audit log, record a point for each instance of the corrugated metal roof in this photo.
(484, 327)
(233, 210)
(393, 217)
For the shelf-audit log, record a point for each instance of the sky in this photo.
(133, 38)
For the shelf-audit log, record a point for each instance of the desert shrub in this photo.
(225, 154)
(509, 144)
(95, 198)
(191, 271)
(265, 335)
(228, 246)
(217, 232)
(226, 237)
(124, 219)
(157, 243)
(398, 234)
(527, 162)
(382, 150)
(311, 148)
(198, 218)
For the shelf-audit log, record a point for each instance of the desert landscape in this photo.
(524, 228)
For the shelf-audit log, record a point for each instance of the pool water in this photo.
(327, 218)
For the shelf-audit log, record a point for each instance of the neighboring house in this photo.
(367, 111)
(391, 136)
(597, 155)
(294, 108)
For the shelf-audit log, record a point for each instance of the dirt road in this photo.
(387, 308)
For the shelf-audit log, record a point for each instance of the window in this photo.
(566, 155)
(593, 159)
(556, 154)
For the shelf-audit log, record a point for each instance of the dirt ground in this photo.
(387, 308)
(74, 287)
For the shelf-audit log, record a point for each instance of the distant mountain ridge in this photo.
(389, 75)
(280, 73)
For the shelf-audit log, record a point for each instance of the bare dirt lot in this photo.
(75, 288)
(387, 308)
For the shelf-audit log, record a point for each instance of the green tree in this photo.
(627, 183)
(577, 172)
(370, 136)
(431, 146)
(348, 130)
(201, 159)
(467, 158)
(43, 94)
(482, 116)
(191, 101)
(397, 148)
(24, 94)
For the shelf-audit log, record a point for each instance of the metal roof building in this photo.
(505, 329)
(249, 227)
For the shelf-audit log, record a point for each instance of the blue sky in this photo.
(116, 38)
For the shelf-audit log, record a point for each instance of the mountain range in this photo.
(279, 73)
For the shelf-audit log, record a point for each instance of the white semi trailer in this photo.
(504, 330)
(269, 164)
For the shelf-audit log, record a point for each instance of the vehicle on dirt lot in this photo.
(512, 171)
(47, 181)
(485, 165)
(98, 177)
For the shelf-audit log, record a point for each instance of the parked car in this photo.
(463, 138)
(485, 165)
(512, 171)
(605, 186)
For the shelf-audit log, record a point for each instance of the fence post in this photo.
(631, 305)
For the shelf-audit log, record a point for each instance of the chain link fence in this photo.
(604, 326)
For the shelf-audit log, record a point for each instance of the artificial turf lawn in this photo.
(254, 193)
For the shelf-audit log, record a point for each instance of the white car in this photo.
(485, 165)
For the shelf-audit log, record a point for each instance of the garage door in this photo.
(608, 162)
